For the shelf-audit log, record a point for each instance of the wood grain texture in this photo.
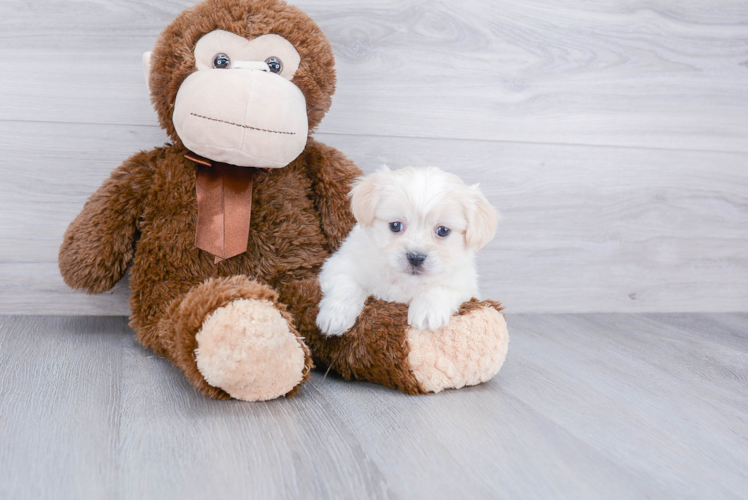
(654, 73)
(584, 229)
(60, 403)
(586, 406)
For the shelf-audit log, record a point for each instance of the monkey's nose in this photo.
(416, 259)
(258, 65)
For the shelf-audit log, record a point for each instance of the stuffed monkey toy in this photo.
(225, 229)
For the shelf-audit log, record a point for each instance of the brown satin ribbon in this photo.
(224, 207)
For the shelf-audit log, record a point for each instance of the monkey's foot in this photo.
(249, 349)
(468, 351)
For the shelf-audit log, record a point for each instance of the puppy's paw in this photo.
(428, 315)
(336, 316)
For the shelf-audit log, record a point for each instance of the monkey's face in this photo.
(241, 106)
(245, 86)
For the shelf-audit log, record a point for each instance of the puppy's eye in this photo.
(396, 227)
(221, 61)
(443, 232)
(275, 64)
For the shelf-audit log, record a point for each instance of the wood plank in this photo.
(586, 406)
(87, 413)
(484, 437)
(658, 74)
(643, 393)
(37, 288)
(585, 228)
(179, 444)
(640, 419)
(728, 330)
(60, 402)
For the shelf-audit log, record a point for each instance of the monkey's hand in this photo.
(100, 242)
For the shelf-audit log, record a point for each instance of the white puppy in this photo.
(415, 242)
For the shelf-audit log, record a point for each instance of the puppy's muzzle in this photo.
(416, 259)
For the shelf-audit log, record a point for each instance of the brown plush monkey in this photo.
(227, 227)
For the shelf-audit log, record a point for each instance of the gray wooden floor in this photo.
(586, 406)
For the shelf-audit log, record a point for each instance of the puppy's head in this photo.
(423, 219)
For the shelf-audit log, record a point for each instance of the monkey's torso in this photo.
(286, 242)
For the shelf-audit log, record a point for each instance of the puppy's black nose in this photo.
(416, 259)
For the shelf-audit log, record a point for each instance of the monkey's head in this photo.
(241, 81)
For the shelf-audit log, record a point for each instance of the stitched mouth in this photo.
(242, 126)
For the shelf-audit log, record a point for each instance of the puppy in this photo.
(415, 242)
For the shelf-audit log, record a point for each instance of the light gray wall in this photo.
(613, 136)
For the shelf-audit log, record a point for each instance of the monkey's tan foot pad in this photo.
(248, 349)
(468, 351)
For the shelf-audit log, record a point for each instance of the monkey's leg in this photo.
(382, 348)
(232, 338)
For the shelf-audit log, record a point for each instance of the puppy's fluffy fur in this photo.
(415, 242)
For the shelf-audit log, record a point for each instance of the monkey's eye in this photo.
(275, 64)
(396, 227)
(443, 232)
(221, 61)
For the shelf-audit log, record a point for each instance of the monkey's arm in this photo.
(332, 174)
(100, 242)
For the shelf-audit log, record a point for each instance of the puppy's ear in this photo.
(482, 219)
(365, 197)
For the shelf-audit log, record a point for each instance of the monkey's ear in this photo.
(147, 68)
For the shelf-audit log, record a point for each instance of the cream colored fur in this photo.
(373, 260)
(264, 124)
(468, 351)
(247, 349)
(147, 68)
